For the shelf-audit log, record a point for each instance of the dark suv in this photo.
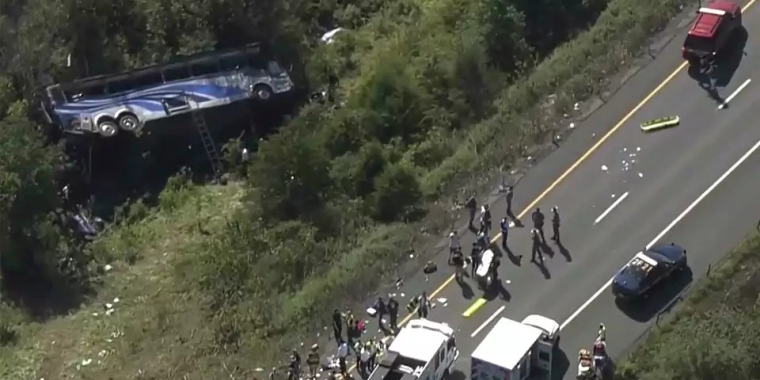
(711, 31)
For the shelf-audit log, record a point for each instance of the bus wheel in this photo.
(107, 128)
(128, 122)
(262, 92)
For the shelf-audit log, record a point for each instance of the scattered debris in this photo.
(604, 168)
(613, 196)
(641, 175)
(577, 106)
(107, 267)
(572, 125)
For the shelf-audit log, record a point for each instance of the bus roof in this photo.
(173, 62)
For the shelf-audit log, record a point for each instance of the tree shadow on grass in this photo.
(42, 298)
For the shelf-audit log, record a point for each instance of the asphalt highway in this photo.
(694, 185)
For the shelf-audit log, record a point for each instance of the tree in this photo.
(29, 243)
(290, 176)
(397, 191)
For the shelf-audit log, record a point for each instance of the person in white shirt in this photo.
(364, 355)
(342, 355)
(454, 244)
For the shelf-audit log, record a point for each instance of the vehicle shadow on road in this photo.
(725, 67)
(662, 298)
(560, 364)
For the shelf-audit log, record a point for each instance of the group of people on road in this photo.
(367, 352)
(482, 241)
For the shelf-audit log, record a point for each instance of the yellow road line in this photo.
(480, 302)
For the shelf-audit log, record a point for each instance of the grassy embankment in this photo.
(157, 329)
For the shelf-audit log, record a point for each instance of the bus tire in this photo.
(107, 128)
(129, 122)
(445, 375)
(262, 92)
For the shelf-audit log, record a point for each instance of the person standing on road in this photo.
(337, 325)
(555, 224)
(424, 306)
(538, 223)
(504, 232)
(393, 313)
(509, 196)
(312, 360)
(472, 207)
(382, 310)
(342, 355)
(536, 250)
(475, 257)
(485, 218)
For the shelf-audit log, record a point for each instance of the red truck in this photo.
(711, 32)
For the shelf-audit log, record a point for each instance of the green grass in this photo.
(713, 332)
(157, 326)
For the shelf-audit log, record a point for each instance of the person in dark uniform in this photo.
(382, 310)
(424, 307)
(337, 325)
(510, 194)
(555, 224)
(393, 313)
(475, 257)
(295, 365)
(536, 250)
(538, 223)
(485, 218)
(504, 232)
(495, 268)
(472, 207)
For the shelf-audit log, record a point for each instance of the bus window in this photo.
(94, 89)
(257, 61)
(55, 95)
(274, 68)
(147, 79)
(176, 73)
(204, 68)
(234, 62)
(119, 85)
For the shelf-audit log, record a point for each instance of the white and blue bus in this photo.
(126, 101)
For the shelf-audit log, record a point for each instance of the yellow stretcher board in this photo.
(661, 123)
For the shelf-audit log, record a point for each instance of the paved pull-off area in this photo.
(619, 191)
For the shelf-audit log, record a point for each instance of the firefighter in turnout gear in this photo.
(555, 224)
(312, 360)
